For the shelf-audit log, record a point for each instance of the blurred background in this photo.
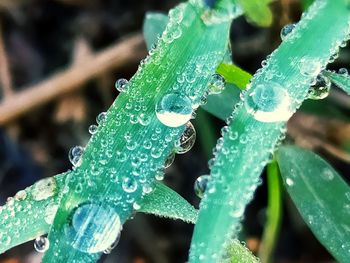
(59, 60)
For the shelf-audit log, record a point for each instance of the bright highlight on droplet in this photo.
(174, 110)
(268, 103)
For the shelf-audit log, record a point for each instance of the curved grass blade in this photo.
(30, 212)
(341, 80)
(182, 63)
(239, 253)
(321, 196)
(165, 202)
(249, 139)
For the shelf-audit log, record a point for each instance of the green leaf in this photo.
(321, 196)
(153, 26)
(234, 75)
(165, 202)
(341, 80)
(221, 105)
(274, 213)
(239, 253)
(257, 11)
(306, 3)
(30, 212)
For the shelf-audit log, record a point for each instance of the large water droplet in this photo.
(321, 88)
(174, 110)
(93, 228)
(44, 189)
(268, 103)
(287, 29)
(216, 84)
(75, 155)
(200, 185)
(121, 85)
(129, 185)
(41, 244)
(169, 160)
(187, 139)
(343, 71)
(115, 243)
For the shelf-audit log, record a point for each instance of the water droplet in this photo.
(289, 182)
(320, 89)
(136, 206)
(216, 84)
(115, 243)
(41, 244)
(94, 227)
(200, 185)
(21, 195)
(327, 175)
(174, 110)
(75, 155)
(121, 85)
(187, 139)
(310, 67)
(169, 161)
(287, 29)
(93, 129)
(101, 117)
(129, 185)
(268, 103)
(50, 213)
(343, 71)
(44, 189)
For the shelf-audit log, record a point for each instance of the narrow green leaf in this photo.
(321, 196)
(234, 75)
(165, 202)
(221, 105)
(341, 80)
(274, 213)
(30, 212)
(153, 26)
(257, 11)
(239, 253)
(306, 3)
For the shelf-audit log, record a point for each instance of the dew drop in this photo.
(75, 155)
(320, 89)
(216, 84)
(200, 185)
(21, 195)
(343, 71)
(44, 189)
(186, 140)
(268, 103)
(41, 244)
(94, 228)
(310, 67)
(286, 30)
(289, 182)
(113, 246)
(129, 185)
(174, 110)
(169, 160)
(93, 129)
(101, 117)
(121, 85)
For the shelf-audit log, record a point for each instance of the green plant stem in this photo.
(274, 213)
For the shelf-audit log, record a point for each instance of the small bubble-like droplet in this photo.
(44, 189)
(343, 71)
(289, 182)
(268, 103)
(101, 117)
(169, 160)
(320, 89)
(186, 140)
(21, 195)
(121, 85)
(216, 84)
(92, 129)
(93, 228)
(41, 244)
(75, 155)
(310, 67)
(287, 29)
(129, 185)
(174, 110)
(200, 185)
